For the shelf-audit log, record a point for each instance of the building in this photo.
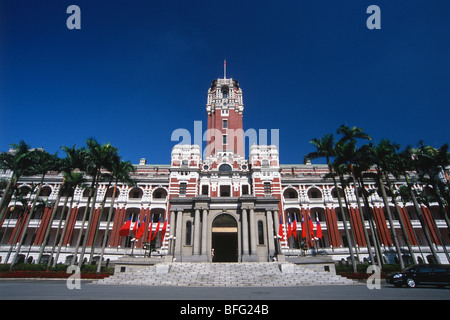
(219, 206)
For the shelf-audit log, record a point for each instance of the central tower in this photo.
(225, 109)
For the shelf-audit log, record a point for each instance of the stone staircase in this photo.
(266, 274)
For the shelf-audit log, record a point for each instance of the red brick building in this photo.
(217, 205)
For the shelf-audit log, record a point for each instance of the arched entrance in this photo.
(224, 239)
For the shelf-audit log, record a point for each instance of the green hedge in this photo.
(361, 270)
(57, 268)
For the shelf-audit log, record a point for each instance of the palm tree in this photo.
(43, 162)
(432, 162)
(404, 165)
(72, 161)
(362, 170)
(120, 172)
(389, 159)
(72, 181)
(19, 162)
(428, 164)
(381, 157)
(97, 157)
(326, 149)
(21, 195)
(347, 155)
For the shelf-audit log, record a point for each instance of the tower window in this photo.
(224, 90)
(225, 191)
(224, 139)
(224, 124)
(267, 190)
(183, 186)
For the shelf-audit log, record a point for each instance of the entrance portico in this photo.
(233, 229)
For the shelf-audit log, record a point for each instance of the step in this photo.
(225, 274)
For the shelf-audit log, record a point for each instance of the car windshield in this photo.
(409, 268)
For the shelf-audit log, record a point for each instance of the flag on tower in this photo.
(125, 230)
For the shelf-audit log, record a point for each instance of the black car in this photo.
(435, 274)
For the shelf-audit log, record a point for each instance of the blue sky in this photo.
(138, 70)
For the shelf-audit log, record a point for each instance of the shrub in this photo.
(60, 271)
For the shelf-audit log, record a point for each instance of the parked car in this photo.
(435, 274)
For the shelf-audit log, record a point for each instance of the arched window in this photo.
(159, 193)
(290, 193)
(225, 167)
(135, 193)
(45, 191)
(110, 192)
(224, 90)
(314, 193)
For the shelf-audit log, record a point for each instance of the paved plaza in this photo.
(58, 290)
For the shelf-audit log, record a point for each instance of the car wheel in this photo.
(410, 283)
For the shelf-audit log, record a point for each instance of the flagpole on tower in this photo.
(225, 69)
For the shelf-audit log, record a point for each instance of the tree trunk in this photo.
(105, 237)
(56, 236)
(422, 221)
(69, 213)
(27, 222)
(91, 216)
(366, 235)
(391, 223)
(400, 219)
(344, 218)
(49, 227)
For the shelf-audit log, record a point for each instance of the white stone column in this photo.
(197, 223)
(178, 235)
(204, 231)
(253, 233)
(270, 234)
(277, 227)
(173, 216)
(244, 233)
